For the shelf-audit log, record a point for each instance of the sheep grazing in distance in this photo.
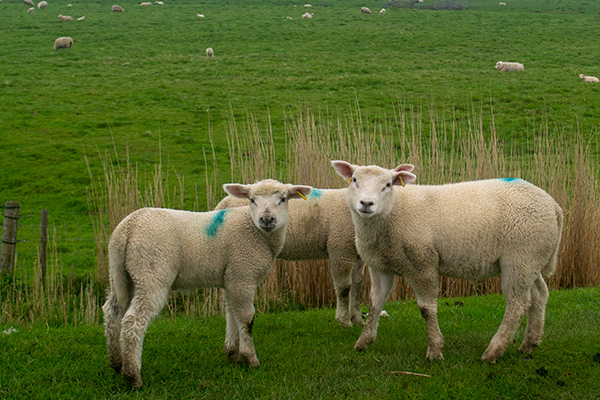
(420, 1)
(117, 8)
(470, 230)
(502, 3)
(365, 10)
(288, 17)
(69, 5)
(42, 4)
(328, 236)
(200, 15)
(65, 17)
(509, 66)
(153, 251)
(210, 52)
(588, 79)
(29, 3)
(383, 11)
(160, 3)
(64, 42)
(31, 10)
(82, 18)
(307, 15)
(308, 5)
(146, 4)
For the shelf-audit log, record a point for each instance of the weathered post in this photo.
(9, 236)
(43, 243)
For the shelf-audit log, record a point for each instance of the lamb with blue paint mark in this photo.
(471, 230)
(321, 228)
(154, 250)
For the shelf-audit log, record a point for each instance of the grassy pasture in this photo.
(304, 355)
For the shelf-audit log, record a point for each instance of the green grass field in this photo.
(306, 355)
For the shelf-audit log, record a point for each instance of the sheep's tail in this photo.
(551, 265)
(120, 282)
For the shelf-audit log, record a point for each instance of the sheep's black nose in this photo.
(366, 204)
(267, 222)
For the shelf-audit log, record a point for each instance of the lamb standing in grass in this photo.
(154, 250)
(321, 228)
(210, 52)
(64, 42)
(65, 17)
(588, 79)
(117, 8)
(42, 4)
(472, 230)
(509, 66)
(29, 2)
(365, 10)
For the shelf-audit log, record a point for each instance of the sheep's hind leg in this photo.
(535, 316)
(240, 302)
(358, 275)
(143, 309)
(342, 280)
(381, 285)
(112, 329)
(518, 300)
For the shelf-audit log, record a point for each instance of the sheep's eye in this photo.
(389, 185)
(252, 201)
(282, 201)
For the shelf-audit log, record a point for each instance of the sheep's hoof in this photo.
(344, 322)
(489, 358)
(527, 347)
(251, 361)
(362, 345)
(234, 357)
(431, 356)
(357, 321)
(134, 380)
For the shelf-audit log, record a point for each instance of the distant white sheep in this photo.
(509, 66)
(307, 15)
(146, 4)
(31, 10)
(69, 5)
(117, 8)
(210, 52)
(383, 11)
(589, 79)
(64, 42)
(365, 10)
(153, 251)
(308, 5)
(65, 17)
(160, 3)
(82, 18)
(321, 228)
(502, 3)
(200, 15)
(29, 2)
(471, 230)
(42, 4)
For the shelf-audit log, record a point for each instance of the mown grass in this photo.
(307, 355)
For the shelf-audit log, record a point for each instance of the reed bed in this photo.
(442, 148)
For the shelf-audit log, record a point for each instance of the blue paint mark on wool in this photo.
(510, 179)
(216, 223)
(315, 194)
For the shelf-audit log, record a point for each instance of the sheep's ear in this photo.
(343, 168)
(237, 190)
(404, 167)
(299, 191)
(404, 178)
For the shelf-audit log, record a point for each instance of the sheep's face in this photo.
(268, 201)
(370, 192)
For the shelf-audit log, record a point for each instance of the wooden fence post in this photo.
(43, 243)
(9, 236)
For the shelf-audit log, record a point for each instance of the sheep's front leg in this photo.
(242, 311)
(381, 285)
(341, 273)
(426, 287)
(232, 333)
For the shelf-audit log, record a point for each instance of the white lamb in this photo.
(117, 8)
(589, 79)
(509, 66)
(365, 10)
(42, 4)
(154, 250)
(210, 52)
(82, 18)
(472, 230)
(321, 228)
(383, 11)
(31, 10)
(65, 17)
(307, 15)
(146, 4)
(502, 3)
(64, 42)
(29, 3)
